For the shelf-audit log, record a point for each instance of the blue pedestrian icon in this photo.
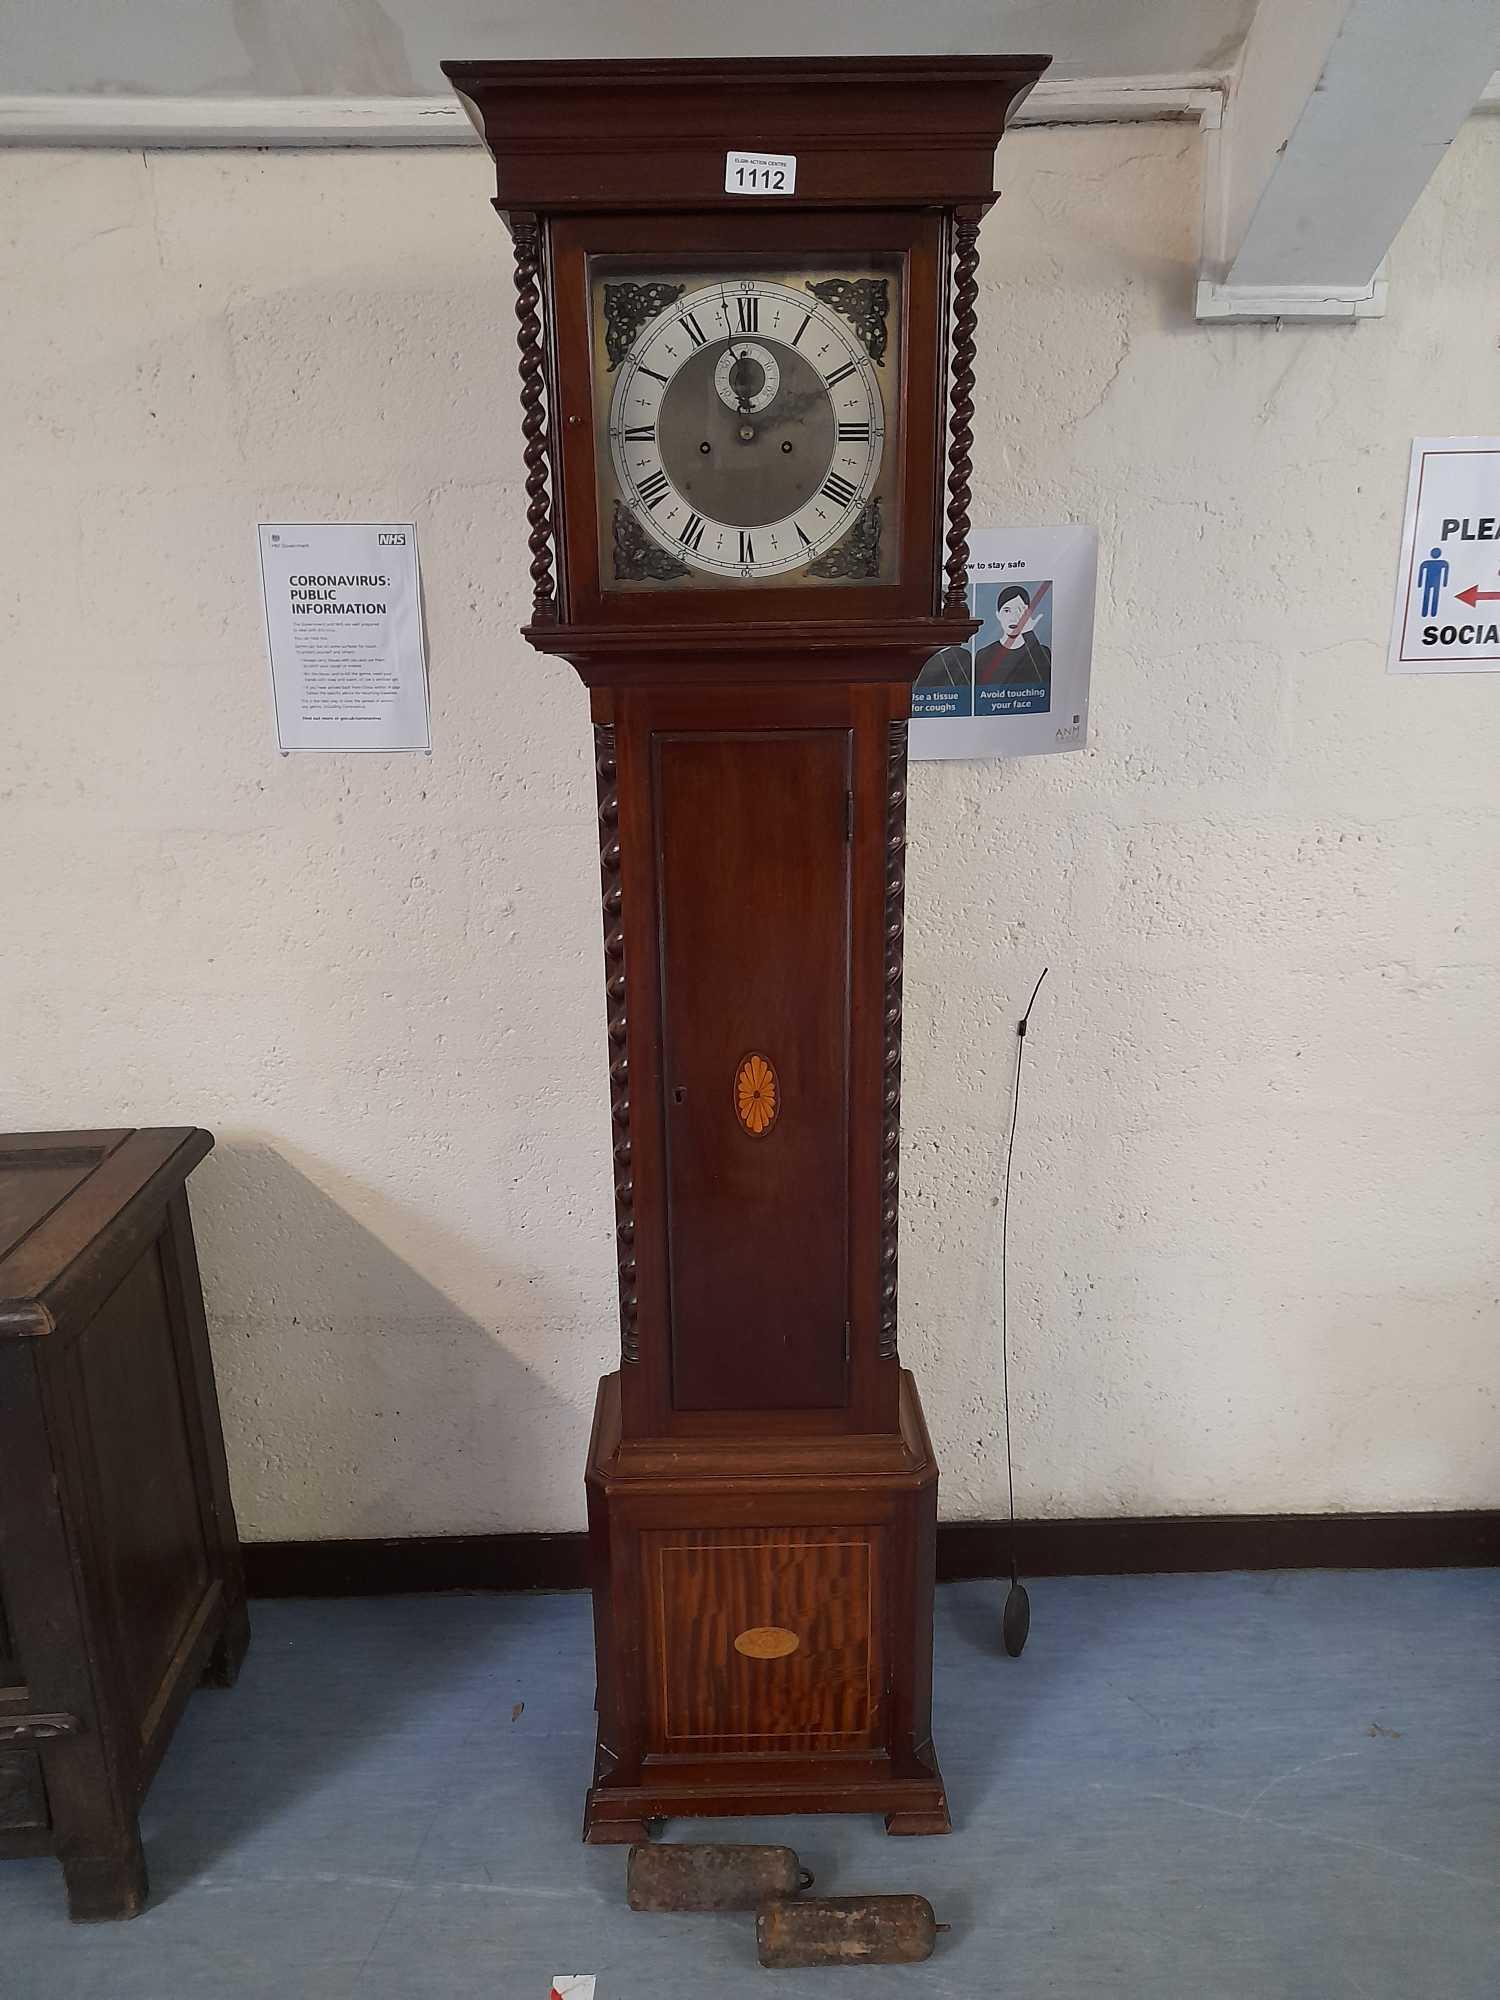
(1432, 575)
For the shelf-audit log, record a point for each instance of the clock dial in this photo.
(746, 428)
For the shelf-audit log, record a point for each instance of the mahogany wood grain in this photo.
(696, 1545)
(890, 1082)
(817, 1586)
(753, 858)
(617, 1017)
(759, 1464)
(528, 244)
(663, 655)
(879, 131)
(821, 1181)
(961, 433)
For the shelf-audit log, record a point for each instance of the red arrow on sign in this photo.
(1473, 594)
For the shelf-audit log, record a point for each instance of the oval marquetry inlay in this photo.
(757, 1095)
(767, 1642)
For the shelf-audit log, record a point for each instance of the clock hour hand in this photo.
(739, 376)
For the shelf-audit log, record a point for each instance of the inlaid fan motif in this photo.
(757, 1099)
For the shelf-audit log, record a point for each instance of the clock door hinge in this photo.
(846, 1343)
(849, 816)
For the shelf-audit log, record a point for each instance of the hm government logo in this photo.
(392, 541)
(1068, 732)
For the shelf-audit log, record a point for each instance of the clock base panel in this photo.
(615, 1816)
(763, 1621)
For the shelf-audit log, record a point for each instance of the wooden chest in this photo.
(120, 1578)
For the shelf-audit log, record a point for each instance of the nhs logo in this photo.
(390, 540)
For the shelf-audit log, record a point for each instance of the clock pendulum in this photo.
(746, 406)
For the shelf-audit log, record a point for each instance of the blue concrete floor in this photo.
(1279, 1787)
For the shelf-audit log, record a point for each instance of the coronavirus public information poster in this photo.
(1447, 618)
(344, 634)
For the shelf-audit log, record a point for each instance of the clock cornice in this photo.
(913, 132)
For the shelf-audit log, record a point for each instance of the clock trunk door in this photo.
(753, 863)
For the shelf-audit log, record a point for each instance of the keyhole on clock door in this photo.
(679, 1095)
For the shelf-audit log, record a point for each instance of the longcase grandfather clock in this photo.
(746, 315)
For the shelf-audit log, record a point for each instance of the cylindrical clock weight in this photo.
(746, 413)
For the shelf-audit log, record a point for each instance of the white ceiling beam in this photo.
(135, 122)
(1336, 118)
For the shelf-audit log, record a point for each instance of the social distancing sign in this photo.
(1447, 617)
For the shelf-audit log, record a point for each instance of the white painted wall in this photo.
(1254, 1261)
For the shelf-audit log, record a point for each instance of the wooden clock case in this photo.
(762, 1491)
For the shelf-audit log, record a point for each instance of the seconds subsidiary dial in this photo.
(746, 430)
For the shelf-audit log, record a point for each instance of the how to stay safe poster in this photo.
(1020, 686)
